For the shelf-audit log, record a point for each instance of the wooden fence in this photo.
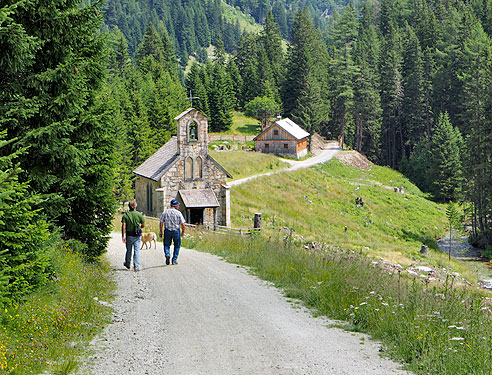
(220, 229)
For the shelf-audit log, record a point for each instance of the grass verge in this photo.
(438, 329)
(48, 330)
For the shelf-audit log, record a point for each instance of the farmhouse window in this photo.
(286, 145)
(267, 146)
(275, 132)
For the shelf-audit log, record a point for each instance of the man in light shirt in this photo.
(171, 221)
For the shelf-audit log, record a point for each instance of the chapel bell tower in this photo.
(192, 133)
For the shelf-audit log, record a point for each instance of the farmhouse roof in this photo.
(199, 198)
(288, 126)
(159, 163)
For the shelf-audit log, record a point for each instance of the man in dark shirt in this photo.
(131, 234)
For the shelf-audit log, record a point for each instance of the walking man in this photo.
(132, 223)
(171, 221)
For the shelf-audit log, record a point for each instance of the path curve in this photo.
(323, 156)
(206, 316)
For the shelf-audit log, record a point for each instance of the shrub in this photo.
(24, 236)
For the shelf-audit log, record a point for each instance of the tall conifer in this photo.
(54, 108)
(413, 103)
(304, 93)
(446, 166)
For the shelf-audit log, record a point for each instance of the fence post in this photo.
(257, 221)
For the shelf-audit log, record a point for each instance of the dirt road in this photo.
(321, 157)
(206, 316)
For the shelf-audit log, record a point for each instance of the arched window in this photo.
(188, 168)
(149, 198)
(192, 131)
(199, 167)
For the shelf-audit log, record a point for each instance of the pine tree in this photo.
(391, 84)
(342, 73)
(477, 125)
(219, 52)
(24, 263)
(195, 86)
(419, 167)
(237, 81)
(54, 108)
(367, 101)
(278, 11)
(413, 104)
(446, 160)
(367, 113)
(169, 62)
(304, 92)
(119, 59)
(246, 61)
(151, 46)
(221, 99)
(271, 41)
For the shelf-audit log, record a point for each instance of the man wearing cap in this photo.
(171, 221)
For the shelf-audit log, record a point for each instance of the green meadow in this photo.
(319, 204)
(242, 164)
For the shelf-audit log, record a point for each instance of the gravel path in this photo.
(206, 316)
(321, 157)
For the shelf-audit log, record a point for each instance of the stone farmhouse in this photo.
(283, 137)
(184, 170)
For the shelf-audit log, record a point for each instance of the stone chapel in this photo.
(184, 170)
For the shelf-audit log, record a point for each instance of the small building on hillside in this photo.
(283, 137)
(184, 170)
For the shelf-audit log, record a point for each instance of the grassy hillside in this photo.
(319, 203)
(242, 164)
(246, 23)
(242, 125)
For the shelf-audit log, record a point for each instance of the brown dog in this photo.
(147, 238)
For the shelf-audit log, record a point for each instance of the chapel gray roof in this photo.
(290, 127)
(184, 113)
(199, 198)
(219, 166)
(159, 163)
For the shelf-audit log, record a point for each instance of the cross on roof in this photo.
(191, 97)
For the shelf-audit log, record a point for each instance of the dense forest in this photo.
(195, 24)
(88, 91)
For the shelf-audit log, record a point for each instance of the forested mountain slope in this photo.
(405, 82)
(195, 24)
